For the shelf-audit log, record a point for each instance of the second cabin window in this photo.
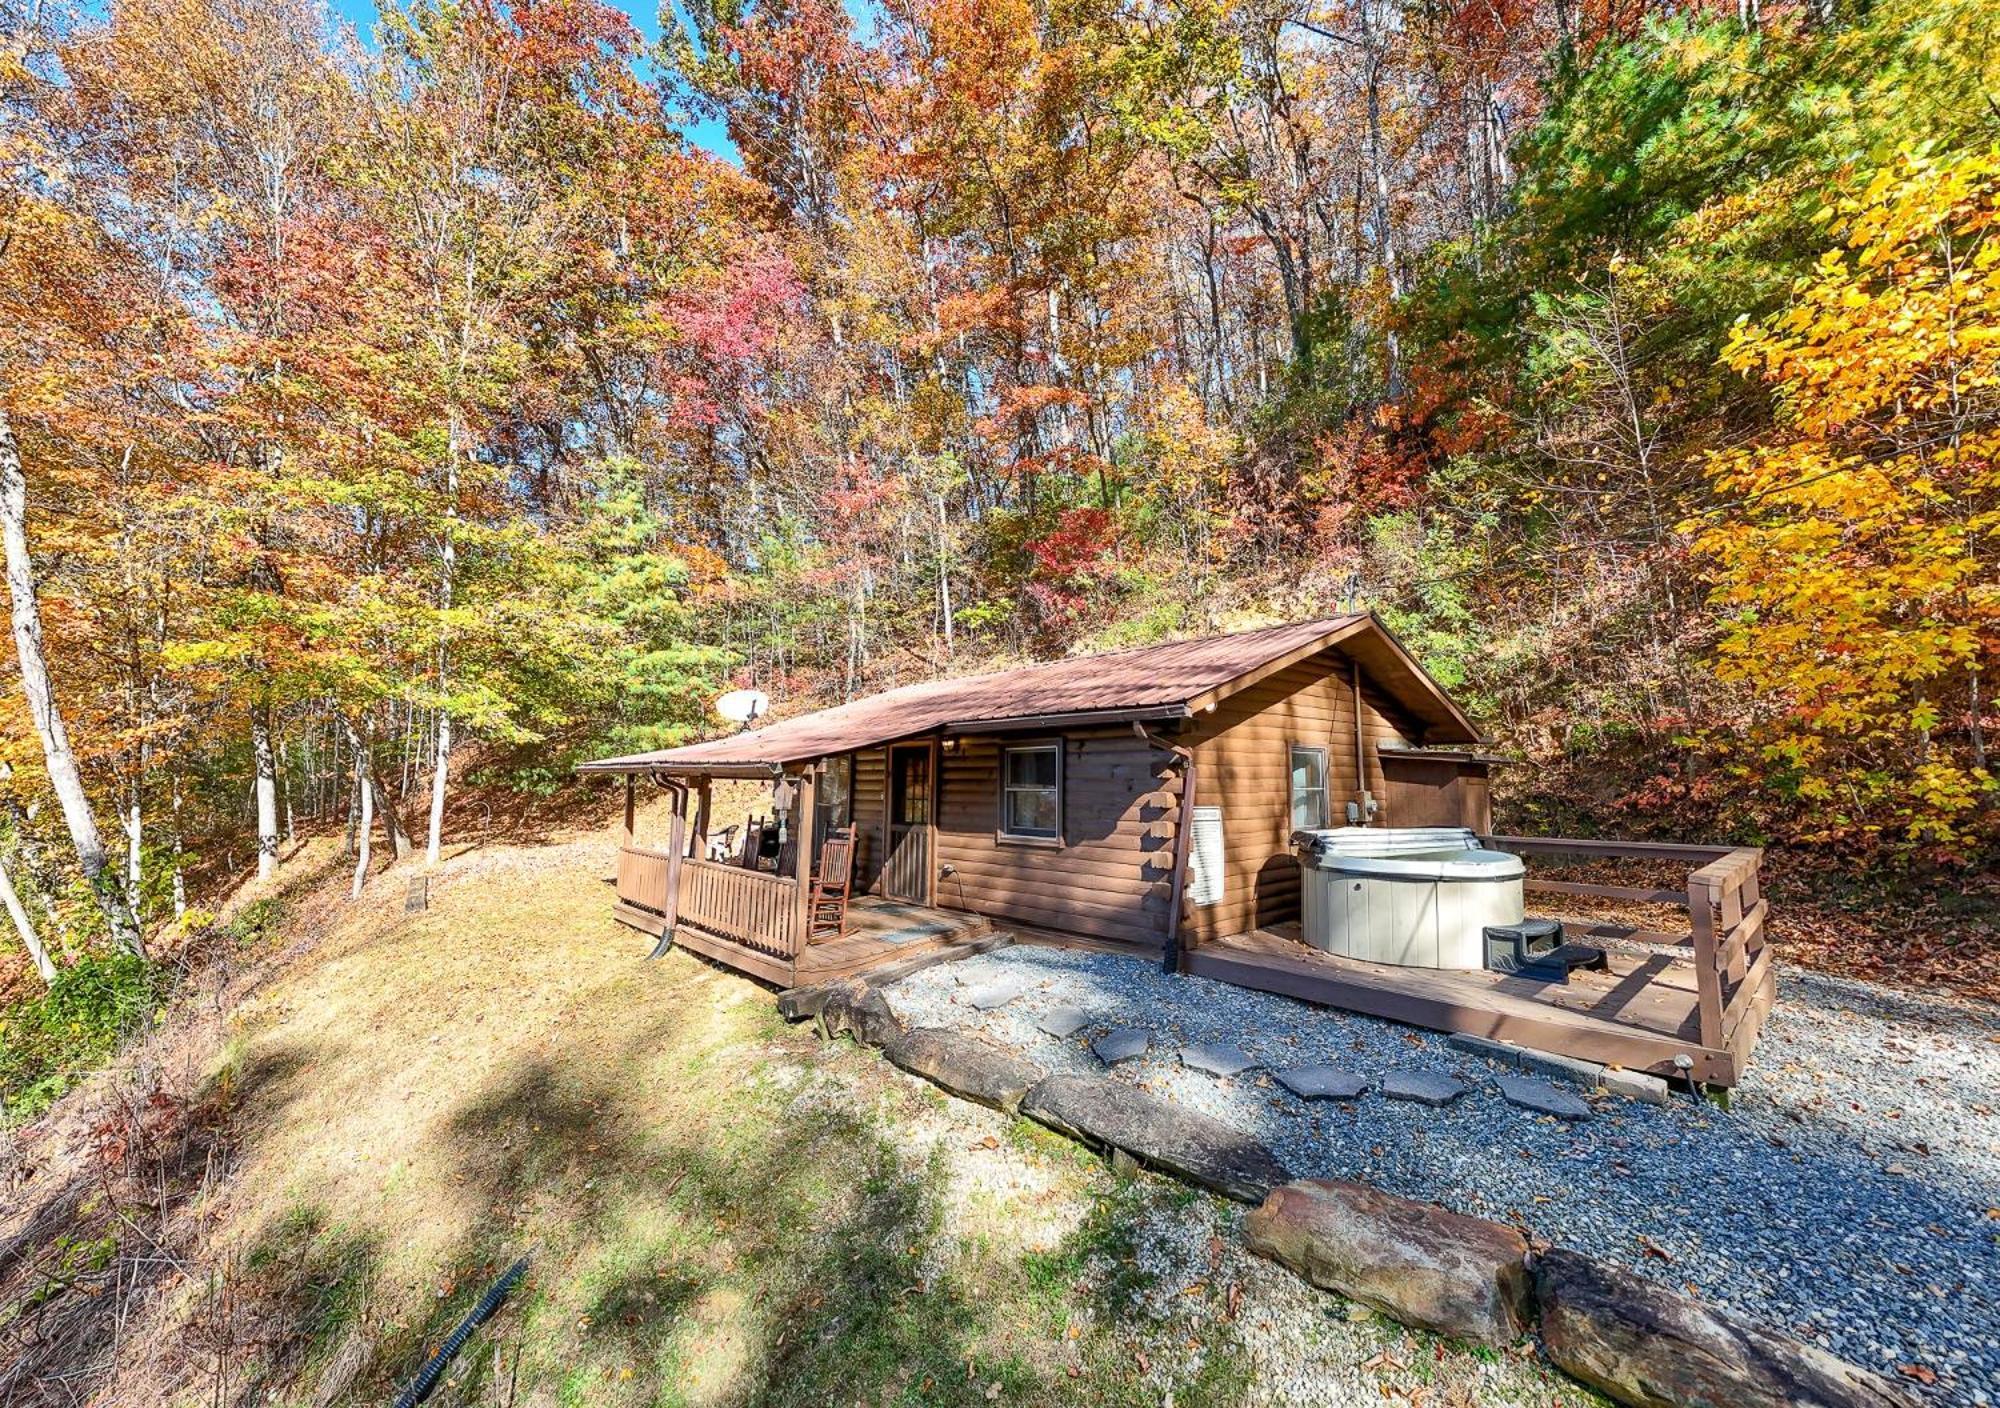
(1031, 791)
(1308, 788)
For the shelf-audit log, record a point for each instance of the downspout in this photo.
(1170, 957)
(1366, 800)
(676, 845)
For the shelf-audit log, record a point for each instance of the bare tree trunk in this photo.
(392, 819)
(267, 790)
(364, 825)
(448, 563)
(438, 780)
(944, 576)
(1385, 225)
(135, 834)
(35, 684)
(25, 928)
(285, 790)
(180, 876)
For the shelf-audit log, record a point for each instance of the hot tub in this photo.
(1417, 896)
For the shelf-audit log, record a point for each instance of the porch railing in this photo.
(754, 909)
(645, 877)
(1726, 908)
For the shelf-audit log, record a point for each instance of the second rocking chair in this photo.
(826, 903)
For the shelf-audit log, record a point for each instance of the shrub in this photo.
(45, 1043)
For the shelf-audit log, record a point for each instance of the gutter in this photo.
(617, 766)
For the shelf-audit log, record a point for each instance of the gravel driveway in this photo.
(1852, 1196)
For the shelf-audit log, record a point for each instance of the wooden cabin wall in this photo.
(1242, 752)
(871, 818)
(1112, 875)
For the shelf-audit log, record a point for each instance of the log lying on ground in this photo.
(965, 1066)
(1111, 1115)
(1648, 1346)
(1425, 1266)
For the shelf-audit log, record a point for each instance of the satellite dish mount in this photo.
(743, 707)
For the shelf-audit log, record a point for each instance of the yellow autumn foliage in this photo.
(1853, 553)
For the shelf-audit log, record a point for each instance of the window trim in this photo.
(1001, 834)
(1292, 749)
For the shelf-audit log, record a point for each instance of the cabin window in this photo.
(1031, 791)
(1308, 788)
(833, 800)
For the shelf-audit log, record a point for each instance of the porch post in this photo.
(631, 809)
(702, 800)
(802, 866)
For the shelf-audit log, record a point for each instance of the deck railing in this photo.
(1727, 915)
(752, 908)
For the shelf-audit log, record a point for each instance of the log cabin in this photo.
(1145, 800)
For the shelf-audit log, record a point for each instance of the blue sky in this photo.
(707, 134)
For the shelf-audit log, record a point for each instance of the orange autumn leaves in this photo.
(1854, 547)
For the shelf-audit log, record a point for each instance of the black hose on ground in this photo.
(434, 1367)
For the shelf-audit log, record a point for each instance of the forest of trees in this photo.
(382, 412)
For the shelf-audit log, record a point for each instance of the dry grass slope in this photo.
(719, 1209)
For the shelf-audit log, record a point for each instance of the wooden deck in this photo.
(881, 932)
(1641, 1015)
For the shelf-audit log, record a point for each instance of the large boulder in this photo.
(1646, 1345)
(858, 1009)
(1112, 1116)
(1424, 1266)
(965, 1066)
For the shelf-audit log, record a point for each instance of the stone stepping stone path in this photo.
(1323, 1083)
(1216, 1060)
(1121, 1044)
(1062, 1023)
(1422, 1087)
(997, 993)
(1543, 1098)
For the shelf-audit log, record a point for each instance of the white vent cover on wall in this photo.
(1205, 857)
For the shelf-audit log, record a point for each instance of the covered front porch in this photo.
(743, 893)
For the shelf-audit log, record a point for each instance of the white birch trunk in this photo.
(267, 791)
(25, 928)
(285, 790)
(180, 876)
(364, 824)
(448, 554)
(438, 782)
(64, 777)
(135, 833)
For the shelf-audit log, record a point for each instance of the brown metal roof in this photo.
(1154, 681)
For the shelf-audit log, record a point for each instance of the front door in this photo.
(906, 874)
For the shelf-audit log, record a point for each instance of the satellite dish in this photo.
(740, 706)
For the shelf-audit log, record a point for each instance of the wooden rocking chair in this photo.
(826, 903)
(754, 832)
